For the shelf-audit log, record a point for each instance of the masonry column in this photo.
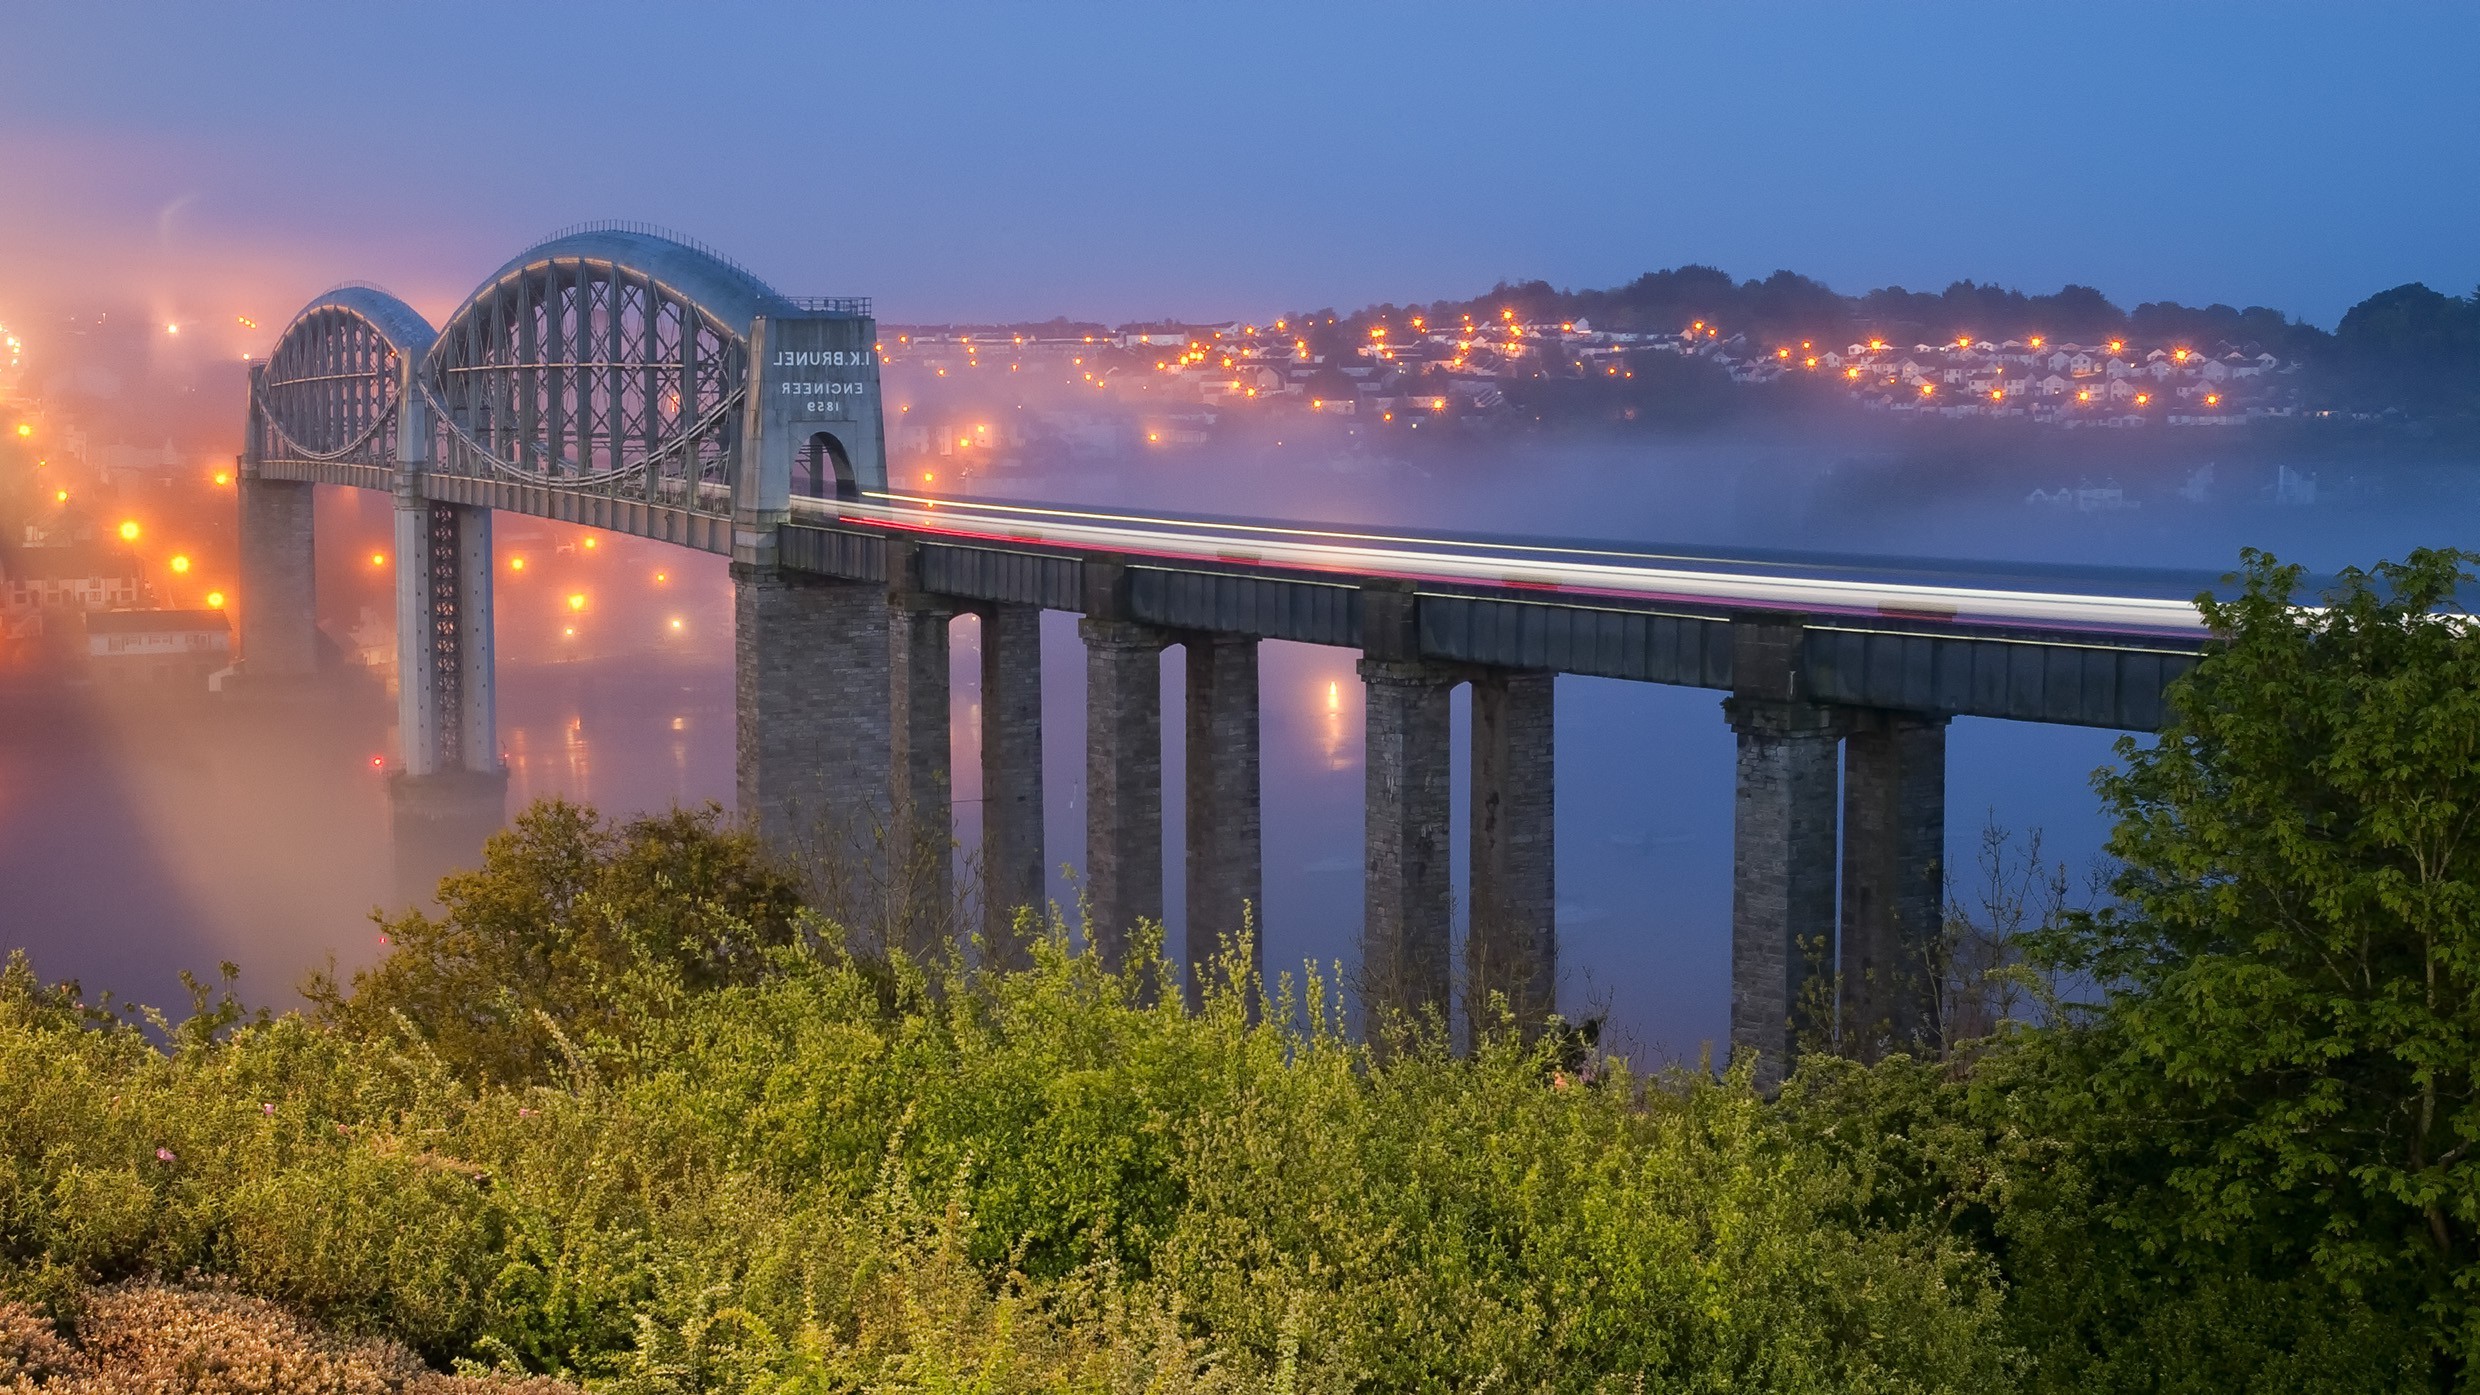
(1012, 871)
(1782, 843)
(922, 846)
(1226, 861)
(1782, 875)
(1511, 948)
(1123, 781)
(810, 729)
(279, 588)
(1406, 890)
(1894, 882)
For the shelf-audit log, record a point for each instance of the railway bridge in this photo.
(622, 378)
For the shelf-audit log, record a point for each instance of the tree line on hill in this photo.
(2410, 348)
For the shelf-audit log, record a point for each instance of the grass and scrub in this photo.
(625, 1113)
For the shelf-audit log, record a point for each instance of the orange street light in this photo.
(215, 600)
(577, 600)
(378, 559)
(516, 564)
(180, 566)
(223, 477)
(129, 530)
(25, 428)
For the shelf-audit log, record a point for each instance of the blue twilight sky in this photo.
(1207, 160)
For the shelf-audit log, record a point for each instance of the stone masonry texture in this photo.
(1404, 925)
(1511, 949)
(810, 686)
(1226, 861)
(279, 599)
(921, 845)
(1123, 782)
(1782, 872)
(1012, 869)
(1894, 848)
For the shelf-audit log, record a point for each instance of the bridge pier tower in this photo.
(279, 587)
(922, 841)
(1226, 855)
(1407, 888)
(451, 792)
(1855, 966)
(1511, 945)
(811, 735)
(1123, 781)
(1511, 936)
(1012, 867)
(1894, 881)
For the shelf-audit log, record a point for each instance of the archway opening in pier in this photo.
(830, 471)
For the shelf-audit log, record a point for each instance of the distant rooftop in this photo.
(135, 622)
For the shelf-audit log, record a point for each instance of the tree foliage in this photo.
(538, 943)
(2287, 1032)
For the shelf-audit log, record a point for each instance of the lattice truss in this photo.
(586, 375)
(329, 392)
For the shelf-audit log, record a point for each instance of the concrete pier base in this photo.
(1226, 859)
(811, 733)
(439, 823)
(921, 843)
(278, 594)
(1123, 782)
(1012, 868)
(1782, 876)
(1511, 946)
(1405, 955)
(1894, 882)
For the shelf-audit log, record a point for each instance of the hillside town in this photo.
(1160, 384)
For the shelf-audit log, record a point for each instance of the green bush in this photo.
(843, 1174)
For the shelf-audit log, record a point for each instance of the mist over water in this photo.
(137, 840)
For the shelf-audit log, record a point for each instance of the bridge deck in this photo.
(2076, 646)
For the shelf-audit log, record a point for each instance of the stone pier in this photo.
(1012, 868)
(1226, 861)
(1406, 891)
(279, 588)
(1511, 947)
(1894, 875)
(1123, 781)
(1782, 876)
(921, 842)
(811, 733)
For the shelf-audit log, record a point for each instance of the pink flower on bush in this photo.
(163, 1155)
(267, 1109)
